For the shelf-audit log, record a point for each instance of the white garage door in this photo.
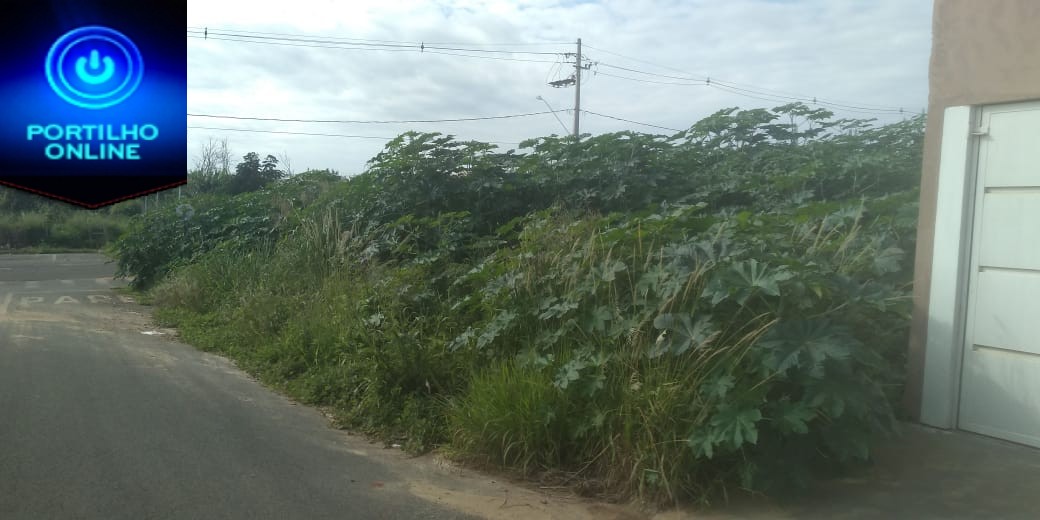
(1000, 382)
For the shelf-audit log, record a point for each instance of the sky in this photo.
(355, 60)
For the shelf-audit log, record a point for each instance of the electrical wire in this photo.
(289, 133)
(686, 84)
(411, 47)
(516, 44)
(629, 121)
(736, 84)
(333, 41)
(201, 29)
(588, 74)
(488, 57)
(244, 37)
(353, 121)
(554, 71)
(467, 50)
(397, 121)
(312, 46)
(311, 133)
(754, 94)
(748, 95)
(635, 59)
(413, 50)
(811, 100)
(602, 64)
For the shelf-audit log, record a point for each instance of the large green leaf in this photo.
(681, 332)
(744, 279)
(805, 344)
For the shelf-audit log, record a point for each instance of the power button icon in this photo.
(90, 77)
(94, 67)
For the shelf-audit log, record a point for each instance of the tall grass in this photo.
(747, 337)
(597, 404)
(628, 357)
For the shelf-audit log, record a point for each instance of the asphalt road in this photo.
(98, 420)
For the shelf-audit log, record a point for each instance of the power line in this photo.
(602, 64)
(201, 30)
(355, 121)
(312, 134)
(312, 46)
(290, 133)
(443, 48)
(332, 42)
(397, 121)
(692, 83)
(761, 97)
(736, 84)
(488, 57)
(376, 49)
(321, 42)
(757, 93)
(754, 94)
(685, 83)
(630, 121)
(326, 40)
(637, 60)
(513, 44)
(816, 101)
(509, 44)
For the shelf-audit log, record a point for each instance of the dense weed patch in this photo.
(671, 318)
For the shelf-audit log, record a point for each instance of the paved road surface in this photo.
(98, 420)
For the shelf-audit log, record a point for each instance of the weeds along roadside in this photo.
(670, 351)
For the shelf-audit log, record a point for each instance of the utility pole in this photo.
(577, 88)
(575, 80)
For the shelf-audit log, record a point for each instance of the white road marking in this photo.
(68, 282)
(32, 285)
(60, 299)
(103, 281)
(66, 291)
(6, 303)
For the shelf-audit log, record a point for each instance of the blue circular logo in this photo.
(94, 67)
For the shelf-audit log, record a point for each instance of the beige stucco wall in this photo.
(983, 51)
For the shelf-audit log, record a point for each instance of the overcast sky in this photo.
(857, 52)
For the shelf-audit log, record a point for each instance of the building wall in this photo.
(983, 51)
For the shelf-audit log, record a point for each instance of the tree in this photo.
(287, 168)
(252, 174)
(212, 167)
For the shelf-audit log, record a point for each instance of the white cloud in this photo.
(873, 53)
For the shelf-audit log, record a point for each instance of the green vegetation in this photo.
(31, 223)
(664, 317)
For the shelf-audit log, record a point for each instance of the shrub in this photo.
(668, 317)
(23, 230)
